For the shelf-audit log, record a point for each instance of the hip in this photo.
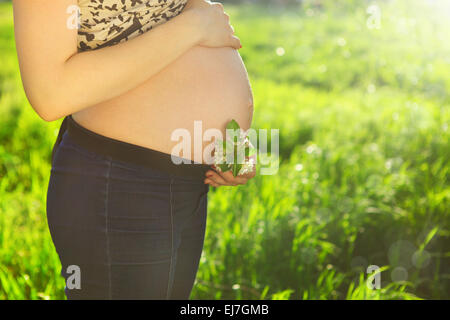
(91, 182)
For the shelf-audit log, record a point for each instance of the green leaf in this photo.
(236, 168)
(224, 167)
(233, 125)
(221, 142)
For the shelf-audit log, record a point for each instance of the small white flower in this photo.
(248, 166)
(220, 158)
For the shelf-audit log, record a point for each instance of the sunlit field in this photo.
(361, 96)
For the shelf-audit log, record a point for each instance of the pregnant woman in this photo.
(128, 222)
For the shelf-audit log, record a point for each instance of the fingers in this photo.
(232, 180)
(235, 42)
(197, 4)
(216, 25)
(217, 179)
(212, 183)
(218, 5)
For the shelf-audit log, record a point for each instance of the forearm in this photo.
(91, 77)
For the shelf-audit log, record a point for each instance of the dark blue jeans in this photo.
(134, 232)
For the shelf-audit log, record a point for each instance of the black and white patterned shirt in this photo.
(108, 22)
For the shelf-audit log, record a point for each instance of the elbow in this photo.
(45, 111)
(46, 107)
(46, 115)
(46, 98)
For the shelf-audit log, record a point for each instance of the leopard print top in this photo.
(108, 22)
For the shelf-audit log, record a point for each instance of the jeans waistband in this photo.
(127, 152)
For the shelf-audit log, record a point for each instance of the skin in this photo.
(200, 41)
(59, 81)
(218, 179)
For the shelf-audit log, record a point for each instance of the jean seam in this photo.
(201, 198)
(171, 236)
(108, 254)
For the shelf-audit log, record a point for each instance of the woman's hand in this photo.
(218, 178)
(215, 27)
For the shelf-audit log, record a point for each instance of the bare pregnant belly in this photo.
(205, 84)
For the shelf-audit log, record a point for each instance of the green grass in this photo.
(364, 141)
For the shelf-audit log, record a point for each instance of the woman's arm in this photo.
(58, 81)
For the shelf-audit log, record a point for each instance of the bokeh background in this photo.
(360, 91)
